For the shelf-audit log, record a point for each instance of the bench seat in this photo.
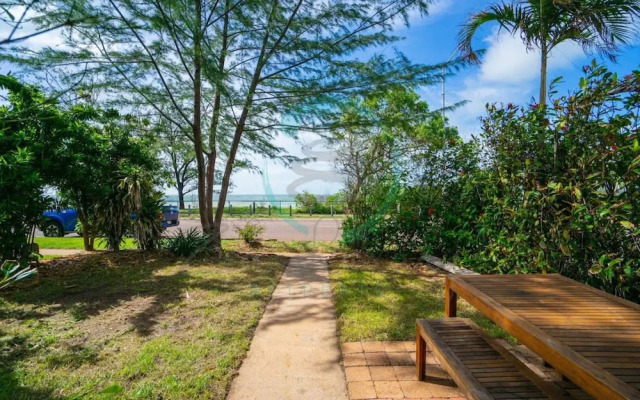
(481, 368)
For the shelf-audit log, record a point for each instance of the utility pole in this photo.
(444, 105)
(444, 75)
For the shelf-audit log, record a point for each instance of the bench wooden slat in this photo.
(487, 371)
(559, 319)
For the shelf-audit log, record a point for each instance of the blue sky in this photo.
(507, 74)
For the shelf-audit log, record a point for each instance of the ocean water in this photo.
(242, 200)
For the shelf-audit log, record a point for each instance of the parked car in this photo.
(60, 222)
(170, 216)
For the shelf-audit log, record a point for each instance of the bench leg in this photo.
(450, 302)
(421, 354)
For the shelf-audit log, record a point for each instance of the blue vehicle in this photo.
(170, 216)
(58, 223)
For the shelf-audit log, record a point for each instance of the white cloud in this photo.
(509, 73)
(316, 177)
(508, 60)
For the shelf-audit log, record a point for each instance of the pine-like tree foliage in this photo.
(232, 74)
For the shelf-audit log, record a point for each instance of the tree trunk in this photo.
(226, 178)
(233, 149)
(544, 53)
(197, 124)
(211, 162)
(87, 237)
(213, 134)
(179, 180)
(543, 75)
(181, 197)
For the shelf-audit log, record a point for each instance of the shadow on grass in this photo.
(12, 350)
(381, 300)
(88, 285)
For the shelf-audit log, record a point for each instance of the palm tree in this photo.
(599, 26)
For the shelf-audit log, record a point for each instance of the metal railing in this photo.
(271, 208)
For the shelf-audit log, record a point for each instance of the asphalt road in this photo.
(280, 229)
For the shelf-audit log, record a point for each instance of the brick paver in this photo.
(386, 370)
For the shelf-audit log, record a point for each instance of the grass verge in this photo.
(132, 325)
(76, 243)
(381, 300)
(288, 246)
(268, 246)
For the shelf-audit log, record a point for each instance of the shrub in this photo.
(187, 244)
(306, 201)
(31, 127)
(564, 184)
(557, 190)
(147, 225)
(250, 232)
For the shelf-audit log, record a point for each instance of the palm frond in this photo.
(511, 17)
(601, 26)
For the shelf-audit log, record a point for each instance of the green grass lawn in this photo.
(381, 300)
(132, 325)
(76, 243)
(272, 246)
(289, 246)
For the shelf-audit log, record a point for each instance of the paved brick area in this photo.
(386, 370)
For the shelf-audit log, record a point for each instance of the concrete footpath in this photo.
(295, 351)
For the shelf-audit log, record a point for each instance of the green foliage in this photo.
(187, 244)
(92, 156)
(30, 132)
(250, 232)
(12, 271)
(572, 209)
(557, 190)
(111, 173)
(396, 156)
(228, 78)
(306, 201)
(594, 24)
(599, 26)
(337, 198)
(147, 225)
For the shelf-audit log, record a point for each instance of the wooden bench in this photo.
(480, 367)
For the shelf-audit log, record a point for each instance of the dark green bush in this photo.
(563, 187)
(554, 189)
